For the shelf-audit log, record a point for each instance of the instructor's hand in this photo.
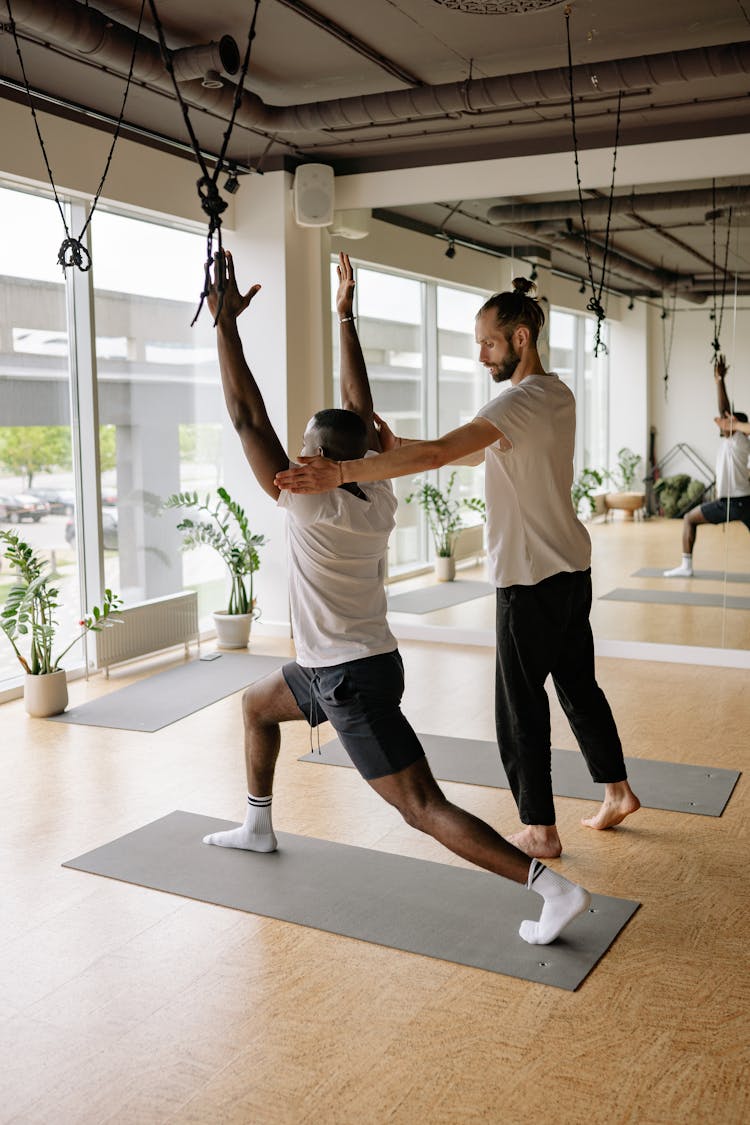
(314, 474)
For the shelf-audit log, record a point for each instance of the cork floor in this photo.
(120, 1004)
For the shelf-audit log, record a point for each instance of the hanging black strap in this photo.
(211, 201)
(72, 252)
(717, 314)
(594, 304)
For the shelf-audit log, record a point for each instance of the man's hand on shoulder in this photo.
(224, 279)
(312, 474)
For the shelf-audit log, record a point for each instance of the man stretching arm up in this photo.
(539, 555)
(348, 669)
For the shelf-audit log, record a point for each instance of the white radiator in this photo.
(469, 542)
(148, 627)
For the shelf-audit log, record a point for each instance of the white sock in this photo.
(684, 570)
(255, 835)
(563, 901)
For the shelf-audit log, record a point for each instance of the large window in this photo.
(36, 457)
(160, 406)
(418, 342)
(572, 357)
(152, 378)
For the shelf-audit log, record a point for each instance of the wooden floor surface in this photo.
(121, 1004)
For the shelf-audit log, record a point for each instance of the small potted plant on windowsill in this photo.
(224, 527)
(443, 512)
(585, 488)
(29, 612)
(625, 497)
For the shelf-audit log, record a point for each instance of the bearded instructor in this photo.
(539, 559)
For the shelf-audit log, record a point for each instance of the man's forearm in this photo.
(411, 457)
(355, 385)
(241, 393)
(722, 396)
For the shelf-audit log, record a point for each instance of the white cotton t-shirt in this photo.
(532, 529)
(731, 466)
(337, 554)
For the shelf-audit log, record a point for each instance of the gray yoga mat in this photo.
(452, 913)
(659, 785)
(165, 697)
(440, 596)
(710, 575)
(675, 597)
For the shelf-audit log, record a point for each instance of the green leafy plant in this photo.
(225, 528)
(624, 475)
(443, 511)
(677, 494)
(584, 487)
(29, 609)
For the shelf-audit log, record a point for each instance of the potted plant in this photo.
(443, 511)
(29, 611)
(585, 486)
(625, 498)
(224, 527)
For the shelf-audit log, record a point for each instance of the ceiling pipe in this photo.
(703, 198)
(655, 280)
(89, 32)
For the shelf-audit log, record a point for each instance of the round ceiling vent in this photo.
(498, 7)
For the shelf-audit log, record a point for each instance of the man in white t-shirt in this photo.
(732, 483)
(539, 556)
(348, 669)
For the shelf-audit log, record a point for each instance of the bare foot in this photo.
(619, 801)
(540, 841)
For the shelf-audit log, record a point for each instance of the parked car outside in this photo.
(61, 500)
(109, 530)
(14, 509)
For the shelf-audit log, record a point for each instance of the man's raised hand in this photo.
(345, 292)
(234, 302)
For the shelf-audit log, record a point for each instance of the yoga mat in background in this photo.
(659, 785)
(161, 699)
(711, 575)
(440, 596)
(466, 916)
(675, 597)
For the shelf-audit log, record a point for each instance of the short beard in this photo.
(507, 368)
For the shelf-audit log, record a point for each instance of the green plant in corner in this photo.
(443, 511)
(584, 487)
(624, 475)
(226, 529)
(29, 609)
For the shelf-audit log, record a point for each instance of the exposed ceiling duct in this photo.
(703, 198)
(92, 34)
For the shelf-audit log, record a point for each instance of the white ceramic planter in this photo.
(46, 695)
(445, 568)
(232, 629)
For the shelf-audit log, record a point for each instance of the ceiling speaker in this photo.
(313, 195)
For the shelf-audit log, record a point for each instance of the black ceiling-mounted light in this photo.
(533, 275)
(631, 303)
(232, 183)
(582, 286)
(451, 251)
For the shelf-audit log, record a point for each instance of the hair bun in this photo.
(523, 285)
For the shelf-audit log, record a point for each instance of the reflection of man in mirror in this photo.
(732, 484)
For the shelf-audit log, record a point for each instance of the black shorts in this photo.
(361, 699)
(715, 511)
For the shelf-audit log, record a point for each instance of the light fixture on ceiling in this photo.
(232, 183)
(631, 303)
(582, 286)
(533, 275)
(451, 251)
